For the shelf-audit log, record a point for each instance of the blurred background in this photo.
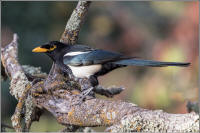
(165, 31)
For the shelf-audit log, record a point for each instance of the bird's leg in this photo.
(83, 96)
(69, 73)
(87, 87)
(93, 82)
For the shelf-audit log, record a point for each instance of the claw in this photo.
(86, 92)
(83, 96)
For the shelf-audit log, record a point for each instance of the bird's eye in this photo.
(49, 47)
(52, 48)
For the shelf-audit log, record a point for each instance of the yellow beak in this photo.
(39, 50)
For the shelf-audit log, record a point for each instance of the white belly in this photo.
(85, 71)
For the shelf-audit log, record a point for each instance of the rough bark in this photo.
(57, 94)
(121, 116)
(73, 26)
(20, 84)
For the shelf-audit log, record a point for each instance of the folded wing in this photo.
(101, 57)
(93, 57)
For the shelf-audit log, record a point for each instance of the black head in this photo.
(50, 47)
(53, 49)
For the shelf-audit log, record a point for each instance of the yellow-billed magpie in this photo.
(87, 62)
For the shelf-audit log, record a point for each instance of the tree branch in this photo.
(13, 68)
(70, 34)
(20, 84)
(121, 116)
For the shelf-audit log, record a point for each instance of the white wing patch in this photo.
(85, 71)
(74, 53)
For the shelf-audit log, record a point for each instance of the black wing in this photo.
(93, 57)
(98, 56)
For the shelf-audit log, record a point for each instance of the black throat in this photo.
(57, 55)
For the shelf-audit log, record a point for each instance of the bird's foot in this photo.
(87, 92)
(85, 95)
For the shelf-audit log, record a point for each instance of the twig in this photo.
(193, 106)
(108, 92)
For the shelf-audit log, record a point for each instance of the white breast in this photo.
(85, 71)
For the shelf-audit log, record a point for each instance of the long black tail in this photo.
(139, 62)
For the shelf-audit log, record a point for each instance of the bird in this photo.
(87, 62)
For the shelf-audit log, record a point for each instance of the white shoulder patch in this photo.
(74, 53)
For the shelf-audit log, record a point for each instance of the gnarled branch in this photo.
(20, 84)
(121, 116)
